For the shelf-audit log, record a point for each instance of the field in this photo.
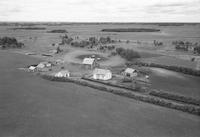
(43, 108)
(32, 106)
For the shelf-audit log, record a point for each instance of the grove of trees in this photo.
(128, 54)
(10, 42)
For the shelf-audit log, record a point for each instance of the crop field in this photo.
(31, 106)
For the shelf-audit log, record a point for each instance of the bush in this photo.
(66, 39)
(105, 40)
(197, 49)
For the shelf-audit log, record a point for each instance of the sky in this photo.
(100, 10)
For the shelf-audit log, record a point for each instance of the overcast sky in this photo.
(101, 10)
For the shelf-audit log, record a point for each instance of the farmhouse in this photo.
(91, 62)
(63, 73)
(102, 74)
(130, 72)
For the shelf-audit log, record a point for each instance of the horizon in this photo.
(97, 22)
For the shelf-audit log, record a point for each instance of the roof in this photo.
(45, 62)
(129, 70)
(101, 71)
(32, 67)
(88, 61)
(64, 72)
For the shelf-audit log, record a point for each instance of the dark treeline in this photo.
(57, 31)
(29, 28)
(131, 30)
(10, 42)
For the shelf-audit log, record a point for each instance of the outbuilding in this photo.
(130, 72)
(102, 74)
(63, 73)
(32, 67)
(43, 65)
(91, 62)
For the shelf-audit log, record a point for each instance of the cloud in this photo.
(99, 10)
(176, 7)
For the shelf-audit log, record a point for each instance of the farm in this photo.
(138, 61)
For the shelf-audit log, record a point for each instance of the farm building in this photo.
(89, 62)
(102, 74)
(32, 67)
(43, 65)
(130, 72)
(63, 73)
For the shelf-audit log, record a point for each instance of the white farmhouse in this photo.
(63, 73)
(102, 74)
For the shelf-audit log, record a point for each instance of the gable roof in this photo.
(101, 71)
(129, 70)
(88, 61)
(63, 72)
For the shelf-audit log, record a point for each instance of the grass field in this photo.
(174, 82)
(31, 106)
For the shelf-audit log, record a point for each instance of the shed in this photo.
(32, 68)
(43, 65)
(130, 72)
(63, 73)
(102, 74)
